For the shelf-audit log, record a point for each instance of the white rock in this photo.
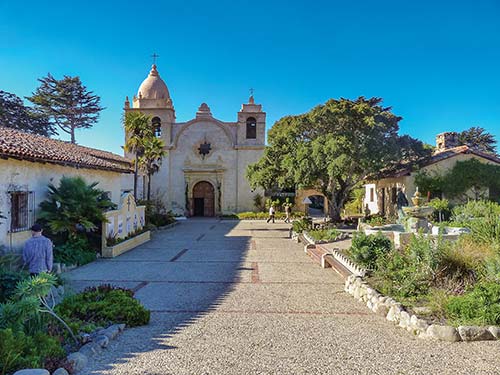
(404, 319)
(79, 361)
(443, 333)
(369, 304)
(102, 341)
(60, 371)
(90, 349)
(394, 313)
(495, 331)
(475, 333)
(33, 371)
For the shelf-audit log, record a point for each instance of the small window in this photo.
(157, 126)
(251, 128)
(22, 210)
(372, 194)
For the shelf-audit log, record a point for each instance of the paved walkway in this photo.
(241, 298)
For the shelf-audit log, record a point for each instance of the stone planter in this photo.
(123, 247)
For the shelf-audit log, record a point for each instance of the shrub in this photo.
(18, 350)
(324, 234)
(365, 249)
(104, 306)
(480, 306)
(398, 275)
(301, 225)
(8, 282)
(74, 207)
(442, 209)
(74, 251)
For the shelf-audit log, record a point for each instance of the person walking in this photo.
(288, 211)
(38, 252)
(272, 212)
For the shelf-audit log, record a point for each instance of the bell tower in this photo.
(251, 124)
(153, 99)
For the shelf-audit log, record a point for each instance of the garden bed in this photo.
(127, 245)
(436, 288)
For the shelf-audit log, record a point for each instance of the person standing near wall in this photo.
(38, 252)
(401, 201)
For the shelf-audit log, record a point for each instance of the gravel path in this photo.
(241, 298)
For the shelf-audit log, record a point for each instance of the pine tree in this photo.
(67, 103)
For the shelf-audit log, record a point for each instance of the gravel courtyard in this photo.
(241, 298)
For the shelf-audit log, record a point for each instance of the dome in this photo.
(153, 87)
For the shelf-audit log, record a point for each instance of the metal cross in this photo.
(251, 91)
(154, 56)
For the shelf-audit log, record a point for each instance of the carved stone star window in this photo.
(204, 149)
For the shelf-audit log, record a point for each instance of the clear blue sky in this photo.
(437, 63)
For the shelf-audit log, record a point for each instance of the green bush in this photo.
(365, 249)
(378, 221)
(442, 209)
(18, 350)
(482, 218)
(8, 282)
(480, 306)
(104, 306)
(301, 225)
(398, 275)
(324, 234)
(74, 251)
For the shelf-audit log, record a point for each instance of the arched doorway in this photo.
(203, 199)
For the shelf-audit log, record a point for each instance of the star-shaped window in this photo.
(204, 149)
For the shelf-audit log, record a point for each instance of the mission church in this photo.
(204, 168)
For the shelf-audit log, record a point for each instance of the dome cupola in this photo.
(153, 87)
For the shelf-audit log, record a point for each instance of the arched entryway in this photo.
(203, 199)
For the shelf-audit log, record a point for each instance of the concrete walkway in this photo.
(241, 298)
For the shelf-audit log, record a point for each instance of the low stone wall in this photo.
(394, 312)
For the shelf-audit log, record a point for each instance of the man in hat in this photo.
(37, 252)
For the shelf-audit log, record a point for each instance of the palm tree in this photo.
(151, 158)
(137, 128)
(74, 206)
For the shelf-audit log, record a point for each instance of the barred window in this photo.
(22, 210)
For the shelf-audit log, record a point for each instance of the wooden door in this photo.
(204, 194)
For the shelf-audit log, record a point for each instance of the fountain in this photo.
(416, 216)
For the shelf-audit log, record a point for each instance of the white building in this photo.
(203, 172)
(29, 163)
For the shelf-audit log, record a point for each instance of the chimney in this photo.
(446, 140)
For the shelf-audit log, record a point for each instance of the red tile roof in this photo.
(405, 169)
(19, 145)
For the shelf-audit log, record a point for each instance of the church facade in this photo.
(203, 172)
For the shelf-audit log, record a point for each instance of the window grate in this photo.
(22, 210)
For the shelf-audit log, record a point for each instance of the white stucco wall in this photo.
(16, 175)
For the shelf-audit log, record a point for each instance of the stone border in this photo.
(348, 264)
(394, 312)
(99, 340)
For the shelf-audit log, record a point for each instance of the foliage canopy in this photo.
(332, 148)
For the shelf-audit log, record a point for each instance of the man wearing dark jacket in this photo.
(37, 252)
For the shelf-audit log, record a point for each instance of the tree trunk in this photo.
(334, 210)
(73, 140)
(135, 177)
(149, 187)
